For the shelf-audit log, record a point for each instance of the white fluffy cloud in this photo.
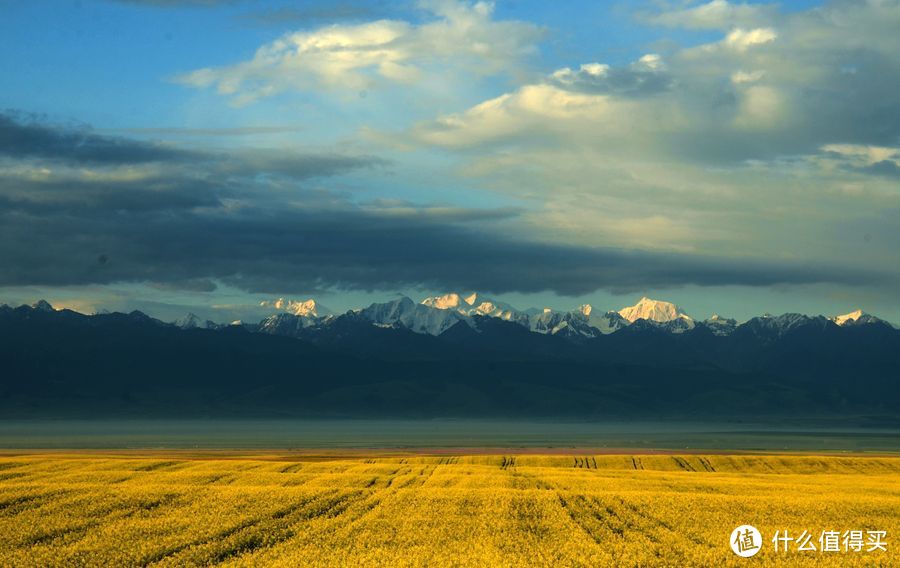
(532, 110)
(809, 79)
(781, 130)
(741, 40)
(356, 57)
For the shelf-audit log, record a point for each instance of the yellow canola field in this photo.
(417, 510)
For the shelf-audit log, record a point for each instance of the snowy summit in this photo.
(475, 305)
(305, 308)
(857, 317)
(654, 310)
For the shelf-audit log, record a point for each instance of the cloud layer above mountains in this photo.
(741, 144)
(145, 216)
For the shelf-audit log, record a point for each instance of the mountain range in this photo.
(453, 355)
(437, 314)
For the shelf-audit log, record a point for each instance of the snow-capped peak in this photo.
(851, 317)
(304, 308)
(654, 310)
(450, 301)
(857, 317)
(475, 305)
(585, 309)
(419, 318)
(457, 301)
(721, 326)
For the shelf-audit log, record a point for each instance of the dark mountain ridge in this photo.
(62, 364)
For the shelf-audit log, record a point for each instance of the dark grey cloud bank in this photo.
(189, 227)
(23, 136)
(293, 251)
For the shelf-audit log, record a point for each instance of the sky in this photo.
(204, 156)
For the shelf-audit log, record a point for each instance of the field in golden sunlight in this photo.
(181, 509)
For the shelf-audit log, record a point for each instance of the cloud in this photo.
(534, 114)
(293, 250)
(401, 209)
(772, 145)
(742, 40)
(717, 15)
(645, 76)
(22, 135)
(51, 195)
(781, 84)
(888, 168)
(190, 228)
(294, 165)
(733, 154)
(873, 160)
(740, 77)
(364, 56)
(866, 155)
(212, 132)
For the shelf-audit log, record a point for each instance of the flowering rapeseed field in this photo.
(415, 510)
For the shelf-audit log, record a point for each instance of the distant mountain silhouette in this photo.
(65, 364)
